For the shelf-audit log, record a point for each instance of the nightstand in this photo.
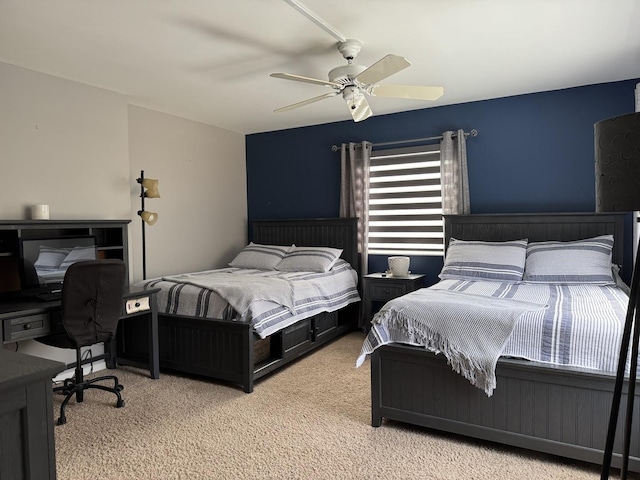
(379, 288)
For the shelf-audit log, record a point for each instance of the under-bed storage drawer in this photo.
(301, 335)
(297, 336)
(325, 324)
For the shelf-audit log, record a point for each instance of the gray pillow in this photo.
(478, 260)
(78, 254)
(309, 259)
(580, 261)
(50, 258)
(259, 257)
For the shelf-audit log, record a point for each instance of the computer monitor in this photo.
(44, 261)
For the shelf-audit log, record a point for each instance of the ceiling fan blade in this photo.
(298, 78)
(306, 102)
(382, 69)
(359, 108)
(407, 91)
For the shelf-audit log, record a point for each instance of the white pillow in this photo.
(50, 258)
(477, 260)
(580, 261)
(78, 254)
(259, 257)
(309, 259)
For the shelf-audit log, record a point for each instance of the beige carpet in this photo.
(309, 421)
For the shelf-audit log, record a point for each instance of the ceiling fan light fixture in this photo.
(357, 103)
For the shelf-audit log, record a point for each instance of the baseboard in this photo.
(87, 369)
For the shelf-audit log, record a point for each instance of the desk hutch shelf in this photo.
(111, 235)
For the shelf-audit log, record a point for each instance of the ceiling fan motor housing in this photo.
(346, 73)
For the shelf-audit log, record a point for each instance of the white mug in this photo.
(40, 212)
(399, 266)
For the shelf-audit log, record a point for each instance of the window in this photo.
(405, 202)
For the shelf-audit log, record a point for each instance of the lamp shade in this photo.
(150, 218)
(617, 155)
(151, 185)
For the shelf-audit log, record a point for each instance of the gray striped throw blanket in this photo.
(470, 330)
(240, 291)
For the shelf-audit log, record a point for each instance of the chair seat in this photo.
(60, 340)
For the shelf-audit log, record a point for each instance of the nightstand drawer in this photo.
(387, 291)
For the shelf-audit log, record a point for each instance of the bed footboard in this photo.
(227, 350)
(540, 407)
(214, 348)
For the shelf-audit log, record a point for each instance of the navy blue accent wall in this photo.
(533, 153)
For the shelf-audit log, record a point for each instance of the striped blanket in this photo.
(313, 293)
(241, 290)
(581, 327)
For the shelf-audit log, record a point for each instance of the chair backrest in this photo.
(92, 300)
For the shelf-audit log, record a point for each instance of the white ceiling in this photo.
(210, 60)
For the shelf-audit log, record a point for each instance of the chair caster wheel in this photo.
(62, 420)
(120, 404)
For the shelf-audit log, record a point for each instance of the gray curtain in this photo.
(454, 174)
(354, 191)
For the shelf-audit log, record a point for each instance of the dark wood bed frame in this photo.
(556, 410)
(231, 351)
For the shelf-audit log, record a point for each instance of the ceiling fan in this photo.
(353, 81)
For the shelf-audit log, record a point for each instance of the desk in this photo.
(27, 448)
(137, 298)
(31, 319)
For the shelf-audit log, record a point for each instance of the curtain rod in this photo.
(472, 133)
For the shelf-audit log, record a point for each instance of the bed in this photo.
(557, 409)
(224, 348)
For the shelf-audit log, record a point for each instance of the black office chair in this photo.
(91, 306)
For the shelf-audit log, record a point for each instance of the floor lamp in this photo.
(617, 155)
(148, 189)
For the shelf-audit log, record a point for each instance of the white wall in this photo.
(80, 149)
(64, 144)
(202, 209)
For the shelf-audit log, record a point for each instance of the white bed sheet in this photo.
(582, 325)
(314, 293)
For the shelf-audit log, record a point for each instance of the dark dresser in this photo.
(27, 449)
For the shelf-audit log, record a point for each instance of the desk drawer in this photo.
(387, 291)
(30, 326)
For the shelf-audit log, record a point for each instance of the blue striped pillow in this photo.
(259, 257)
(309, 259)
(477, 260)
(580, 261)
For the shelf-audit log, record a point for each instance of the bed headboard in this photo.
(312, 232)
(538, 227)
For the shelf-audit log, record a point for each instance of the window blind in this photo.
(405, 202)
